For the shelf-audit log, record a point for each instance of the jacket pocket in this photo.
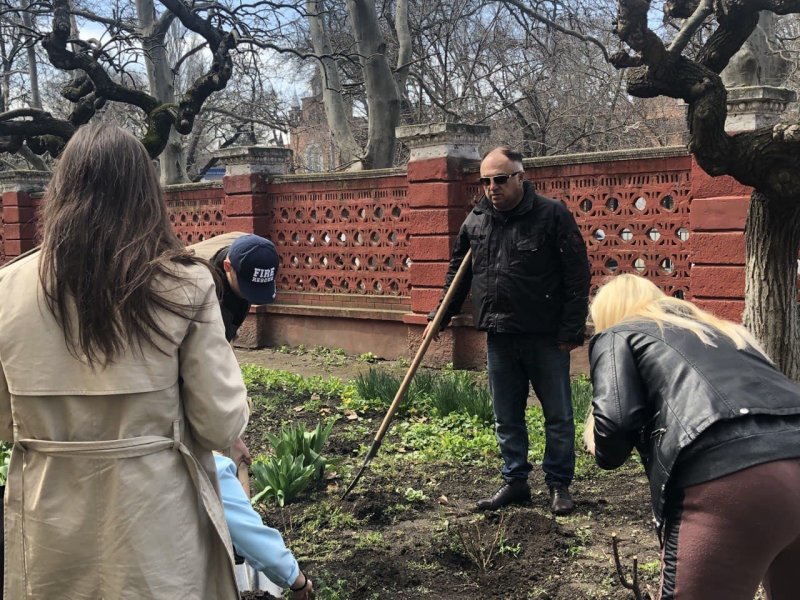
(527, 256)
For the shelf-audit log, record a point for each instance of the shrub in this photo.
(280, 479)
(294, 441)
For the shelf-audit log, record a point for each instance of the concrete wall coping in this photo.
(195, 185)
(598, 157)
(340, 175)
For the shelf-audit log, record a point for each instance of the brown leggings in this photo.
(724, 537)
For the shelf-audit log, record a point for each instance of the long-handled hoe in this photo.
(401, 391)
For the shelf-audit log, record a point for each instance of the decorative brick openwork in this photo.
(633, 213)
(342, 236)
(197, 212)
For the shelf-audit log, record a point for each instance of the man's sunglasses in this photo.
(498, 179)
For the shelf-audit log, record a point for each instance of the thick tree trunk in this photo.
(771, 312)
(159, 75)
(383, 101)
(33, 69)
(404, 46)
(335, 108)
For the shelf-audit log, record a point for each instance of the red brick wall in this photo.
(344, 241)
(197, 211)
(375, 246)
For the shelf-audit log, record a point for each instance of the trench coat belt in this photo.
(105, 449)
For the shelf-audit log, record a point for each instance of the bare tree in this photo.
(105, 72)
(382, 97)
(768, 159)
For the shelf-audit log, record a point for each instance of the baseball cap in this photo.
(255, 261)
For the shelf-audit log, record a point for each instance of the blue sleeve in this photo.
(260, 545)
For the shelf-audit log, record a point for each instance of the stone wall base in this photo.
(462, 346)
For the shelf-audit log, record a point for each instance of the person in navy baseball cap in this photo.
(254, 261)
(247, 266)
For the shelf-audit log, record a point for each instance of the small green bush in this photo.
(280, 479)
(294, 441)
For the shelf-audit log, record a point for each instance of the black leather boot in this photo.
(561, 502)
(517, 491)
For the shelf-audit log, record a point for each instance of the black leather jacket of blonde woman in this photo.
(694, 412)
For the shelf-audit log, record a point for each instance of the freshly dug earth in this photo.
(409, 530)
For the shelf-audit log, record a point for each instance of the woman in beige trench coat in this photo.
(116, 384)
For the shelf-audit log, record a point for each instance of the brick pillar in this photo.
(720, 205)
(20, 191)
(248, 172)
(438, 206)
(716, 243)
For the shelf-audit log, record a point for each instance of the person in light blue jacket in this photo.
(261, 546)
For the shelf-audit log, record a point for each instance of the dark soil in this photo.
(438, 546)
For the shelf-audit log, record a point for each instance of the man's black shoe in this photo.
(517, 491)
(561, 502)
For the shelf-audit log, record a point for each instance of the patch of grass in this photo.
(5, 458)
(329, 357)
(376, 389)
(325, 589)
(326, 515)
(369, 540)
(412, 495)
(509, 549)
(581, 388)
(456, 437)
(651, 569)
(378, 386)
(260, 380)
(583, 537)
(457, 391)
(367, 357)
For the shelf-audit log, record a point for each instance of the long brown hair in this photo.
(106, 237)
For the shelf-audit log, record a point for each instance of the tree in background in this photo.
(105, 73)
(767, 159)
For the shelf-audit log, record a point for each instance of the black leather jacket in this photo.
(666, 393)
(530, 272)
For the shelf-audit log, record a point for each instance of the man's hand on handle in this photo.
(427, 329)
(567, 346)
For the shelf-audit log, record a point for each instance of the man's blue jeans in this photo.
(514, 360)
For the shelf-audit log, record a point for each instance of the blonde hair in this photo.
(629, 297)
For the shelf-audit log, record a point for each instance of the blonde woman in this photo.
(116, 383)
(718, 431)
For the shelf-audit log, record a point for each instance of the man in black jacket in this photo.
(530, 285)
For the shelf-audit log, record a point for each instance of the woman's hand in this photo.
(239, 453)
(588, 434)
(302, 587)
